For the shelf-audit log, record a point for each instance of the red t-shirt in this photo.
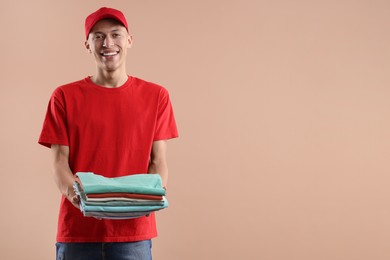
(109, 131)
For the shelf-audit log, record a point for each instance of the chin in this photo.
(109, 68)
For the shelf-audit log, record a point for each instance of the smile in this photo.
(112, 53)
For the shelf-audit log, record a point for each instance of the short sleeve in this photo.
(54, 129)
(165, 123)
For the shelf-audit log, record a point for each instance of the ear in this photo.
(130, 41)
(88, 46)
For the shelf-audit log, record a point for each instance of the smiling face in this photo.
(108, 41)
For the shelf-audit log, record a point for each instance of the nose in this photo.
(108, 41)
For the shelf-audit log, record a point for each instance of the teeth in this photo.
(109, 53)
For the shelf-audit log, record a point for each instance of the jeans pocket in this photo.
(59, 252)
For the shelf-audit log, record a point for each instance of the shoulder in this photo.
(69, 88)
(149, 87)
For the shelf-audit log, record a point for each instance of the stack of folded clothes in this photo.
(124, 197)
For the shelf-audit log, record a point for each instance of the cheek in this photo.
(95, 51)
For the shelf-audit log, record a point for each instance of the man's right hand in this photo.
(75, 200)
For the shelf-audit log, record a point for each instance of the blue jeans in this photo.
(140, 250)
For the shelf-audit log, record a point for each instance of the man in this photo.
(110, 124)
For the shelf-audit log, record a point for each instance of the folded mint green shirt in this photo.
(136, 183)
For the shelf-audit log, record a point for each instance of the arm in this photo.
(158, 161)
(63, 176)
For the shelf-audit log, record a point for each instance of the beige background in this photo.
(282, 107)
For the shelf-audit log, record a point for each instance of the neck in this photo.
(109, 79)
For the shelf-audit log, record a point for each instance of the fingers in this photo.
(75, 200)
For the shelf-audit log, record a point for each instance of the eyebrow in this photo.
(115, 30)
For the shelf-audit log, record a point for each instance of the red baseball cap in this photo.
(104, 13)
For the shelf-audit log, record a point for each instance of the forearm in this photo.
(158, 161)
(64, 178)
(161, 168)
(63, 175)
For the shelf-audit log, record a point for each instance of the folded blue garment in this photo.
(136, 183)
(111, 215)
(125, 203)
(107, 208)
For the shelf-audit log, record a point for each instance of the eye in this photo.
(98, 37)
(116, 35)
